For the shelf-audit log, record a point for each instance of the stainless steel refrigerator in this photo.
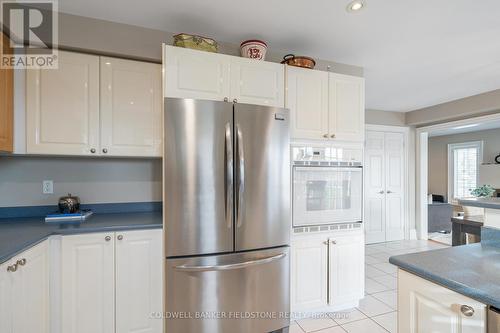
(226, 217)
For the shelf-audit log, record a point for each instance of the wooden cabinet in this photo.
(62, 106)
(327, 271)
(346, 107)
(346, 269)
(94, 106)
(204, 75)
(24, 292)
(325, 106)
(131, 108)
(307, 99)
(139, 281)
(309, 268)
(112, 282)
(6, 103)
(424, 306)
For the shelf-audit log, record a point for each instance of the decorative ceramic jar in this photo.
(253, 49)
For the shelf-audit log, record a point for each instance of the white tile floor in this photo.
(377, 312)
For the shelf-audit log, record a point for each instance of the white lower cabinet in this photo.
(424, 307)
(327, 270)
(112, 282)
(24, 292)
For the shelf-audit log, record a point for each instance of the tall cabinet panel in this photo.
(88, 293)
(139, 281)
(131, 108)
(257, 82)
(307, 99)
(347, 107)
(195, 74)
(62, 106)
(6, 103)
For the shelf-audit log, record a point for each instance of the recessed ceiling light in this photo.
(355, 6)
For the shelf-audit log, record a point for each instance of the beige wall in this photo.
(459, 109)
(438, 159)
(378, 117)
(93, 180)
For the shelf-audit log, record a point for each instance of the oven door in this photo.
(325, 195)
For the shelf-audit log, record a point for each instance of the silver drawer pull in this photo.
(187, 268)
(467, 310)
(21, 262)
(12, 268)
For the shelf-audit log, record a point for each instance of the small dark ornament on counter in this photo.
(69, 204)
(497, 159)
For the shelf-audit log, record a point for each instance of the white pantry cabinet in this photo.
(325, 106)
(131, 108)
(62, 106)
(112, 282)
(307, 99)
(96, 106)
(424, 306)
(24, 292)
(327, 270)
(205, 75)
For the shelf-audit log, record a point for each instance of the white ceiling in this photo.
(416, 53)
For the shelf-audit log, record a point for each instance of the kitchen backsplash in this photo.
(93, 180)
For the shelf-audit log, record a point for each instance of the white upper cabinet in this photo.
(307, 99)
(347, 107)
(212, 76)
(195, 74)
(62, 106)
(131, 108)
(257, 82)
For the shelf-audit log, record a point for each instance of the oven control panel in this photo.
(327, 154)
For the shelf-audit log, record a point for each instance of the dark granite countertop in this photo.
(492, 203)
(475, 221)
(471, 270)
(18, 234)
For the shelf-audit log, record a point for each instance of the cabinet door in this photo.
(6, 298)
(347, 107)
(375, 173)
(139, 282)
(427, 307)
(394, 185)
(6, 102)
(62, 106)
(346, 269)
(195, 74)
(30, 287)
(88, 296)
(309, 262)
(131, 108)
(307, 99)
(257, 82)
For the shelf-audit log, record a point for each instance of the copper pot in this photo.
(299, 61)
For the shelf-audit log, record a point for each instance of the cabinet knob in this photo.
(235, 100)
(467, 310)
(389, 192)
(12, 268)
(325, 242)
(120, 237)
(381, 192)
(92, 150)
(325, 136)
(226, 99)
(104, 150)
(21, 262)
(333, 242)
(107, 238)
(332, 136)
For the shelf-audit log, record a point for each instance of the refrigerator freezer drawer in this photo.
(241, 292)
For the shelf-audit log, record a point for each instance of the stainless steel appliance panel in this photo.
(240, 292)
(493, 320)
(262, 177)
(198, 177)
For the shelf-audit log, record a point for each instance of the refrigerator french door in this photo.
(226, 216)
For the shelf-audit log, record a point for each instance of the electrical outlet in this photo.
(48, 187)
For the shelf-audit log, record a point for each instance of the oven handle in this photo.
(328, 168)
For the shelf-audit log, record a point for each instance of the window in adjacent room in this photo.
(463, 168)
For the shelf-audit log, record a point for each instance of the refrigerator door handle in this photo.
(240, 265)
(241, 176)
(229, 176)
